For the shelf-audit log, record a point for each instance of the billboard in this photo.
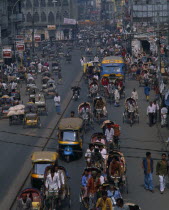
(51, 27)
(19, 36)
(37, 38)
(69, 21)
(20, 47)
(7, 53)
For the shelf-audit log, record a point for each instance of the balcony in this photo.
(15, 18)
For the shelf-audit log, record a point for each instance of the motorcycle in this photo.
(75, 95)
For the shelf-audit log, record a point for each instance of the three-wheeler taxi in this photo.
(70, 137)
(41, 160)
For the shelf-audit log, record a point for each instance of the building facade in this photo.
(147, 14)
(46, 18)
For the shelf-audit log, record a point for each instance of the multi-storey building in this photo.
(148, 14)
(4, 20)
(46, 18)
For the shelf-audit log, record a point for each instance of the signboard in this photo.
(19, 36)
(7, 53)
(69, 21)
(51, 27)
(37, 38)
(20, 47)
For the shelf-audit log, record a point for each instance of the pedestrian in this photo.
(147, 92)
(57, 103)
(134, 94)
(161, 171)
(156, 110)
(116, 97)
(150, 113)
(148, 172)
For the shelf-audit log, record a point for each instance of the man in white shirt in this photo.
(57, 103)
(134, 94)
(52, 184)
(109, 133)
(156, 110)
(88, 154)
(150, 113)
(52, 181)
(103, 152)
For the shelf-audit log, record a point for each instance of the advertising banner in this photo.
(69, 21)
(7, 53)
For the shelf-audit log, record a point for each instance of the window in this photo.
(69, 136)
(28, 4)
(42, 3)
(36, 17)
(51, 18)
(43, 17)
(66, 14)
(65, 3)
(29, 17)
(58, 3)
(36, 3)
(50, 3)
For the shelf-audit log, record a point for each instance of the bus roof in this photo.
(112, 59)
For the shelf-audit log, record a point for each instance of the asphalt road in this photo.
(17, 144)
(16, 149)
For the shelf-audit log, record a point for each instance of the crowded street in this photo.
(18, 144)
(84, 106)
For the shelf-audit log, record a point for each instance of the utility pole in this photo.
(168, 26)
(33, 31)
(158, 43)
(131, 24)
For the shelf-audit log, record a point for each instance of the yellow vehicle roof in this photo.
(88, 63)
(112, 59)
(73, 123)
(47, 156)
(5, 96)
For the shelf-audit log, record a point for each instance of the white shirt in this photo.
(150, 109)
(116, 94)
(156, 107)
(104, 153)
(57, 100)
(102, 180)
(134, 95)
(53, 183)
(88, 153)
(131, 107)
(109, 134)
(13, 85)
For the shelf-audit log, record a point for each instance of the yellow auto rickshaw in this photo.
(70, 137)
(85, 66)
(40, 161)
(31, 120)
